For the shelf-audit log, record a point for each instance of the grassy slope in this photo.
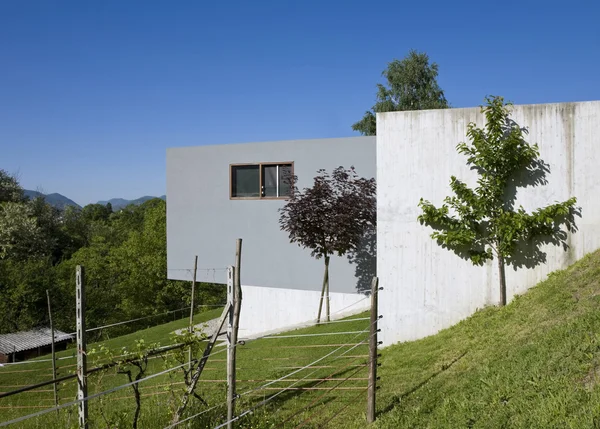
(258, 362)
(532, 364)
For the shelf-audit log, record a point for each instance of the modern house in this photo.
(20, 346)
(219, 193)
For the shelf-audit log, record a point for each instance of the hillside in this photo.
(119, 203)
(56, 200)
(533, 364)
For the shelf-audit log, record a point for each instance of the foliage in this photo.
(330, 217)
(21, 236)
(124, 254)
(411, 85)
(10, 189)
(482, 222)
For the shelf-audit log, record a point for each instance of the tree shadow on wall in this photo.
(528, 252)
(365, 260)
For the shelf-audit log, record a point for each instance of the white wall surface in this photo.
(202, 220)
(268, 310)
(428, 288)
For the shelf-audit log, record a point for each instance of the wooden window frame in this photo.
(260, 179)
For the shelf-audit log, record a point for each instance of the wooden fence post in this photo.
(235, 324)
(81, 346)
(53, 352)
(372, 388)
(192, 309)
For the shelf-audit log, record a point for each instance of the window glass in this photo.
(261, 180)
(285, 178)
(269, 177)
(245, 181)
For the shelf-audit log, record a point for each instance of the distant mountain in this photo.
(119, 203)
(56, 200)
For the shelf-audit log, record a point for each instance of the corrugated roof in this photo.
(19, 341)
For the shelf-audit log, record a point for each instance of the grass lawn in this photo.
(259, 362)
(533, 364)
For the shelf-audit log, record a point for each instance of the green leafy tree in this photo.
(10, 189)
(95, 212)
(482, 223)
(21, 237)
(23, 285)
(411, 85)
(142, 262)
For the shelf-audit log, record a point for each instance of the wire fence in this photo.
(274, 372)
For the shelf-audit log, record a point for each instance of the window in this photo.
(258, 181)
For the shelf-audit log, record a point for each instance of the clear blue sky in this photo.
(92, 93)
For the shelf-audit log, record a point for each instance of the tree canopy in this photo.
(482, 223)
(331, 217)
(411, 85)
(124, 254)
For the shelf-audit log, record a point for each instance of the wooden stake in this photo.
(201, 364)
(53, 352)
(81, 346)
(235, 324)
(192, 309)
(372, 388)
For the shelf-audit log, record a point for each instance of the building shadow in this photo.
(528, 250)
(364, 259)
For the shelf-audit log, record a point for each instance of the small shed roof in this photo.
(19, 341)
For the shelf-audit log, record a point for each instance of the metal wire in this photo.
(87, 398)
(250, 410)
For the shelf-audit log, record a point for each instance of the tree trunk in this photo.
(327, 280)
(502, 281)
(324, 289)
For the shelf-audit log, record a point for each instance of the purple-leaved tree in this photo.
(330, 218)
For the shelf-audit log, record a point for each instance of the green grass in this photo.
(533, 364)
(259, 362)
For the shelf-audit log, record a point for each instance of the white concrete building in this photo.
(218, 193)
(427, 288)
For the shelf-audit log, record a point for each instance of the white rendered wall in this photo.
(267, 310)
(427, 288)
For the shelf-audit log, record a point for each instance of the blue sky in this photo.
(92, 93)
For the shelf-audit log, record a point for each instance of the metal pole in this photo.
(235, 321)
(81, 346)
(192, 309)
(372, 353)
(53, 352)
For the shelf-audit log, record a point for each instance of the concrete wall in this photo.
(202, 220)
(427, 288)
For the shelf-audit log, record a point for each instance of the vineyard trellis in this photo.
(288, 375)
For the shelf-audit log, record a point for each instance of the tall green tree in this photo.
(10, 189)
(411, 85)
(482, 223)
(142, 267)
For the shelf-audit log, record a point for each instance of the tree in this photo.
(482, 223)
(21, 237)
(10, 189)
(331, 217)
(142, 267)
(95, 212)
(412, 85)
